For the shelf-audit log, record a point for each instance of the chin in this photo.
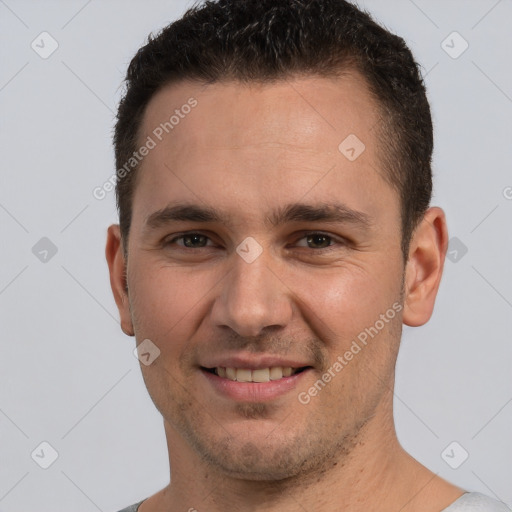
(264, 459)
(258, 463)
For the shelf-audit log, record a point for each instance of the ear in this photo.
(117, 268)
(424, 268)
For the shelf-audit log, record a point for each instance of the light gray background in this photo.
(67, 373)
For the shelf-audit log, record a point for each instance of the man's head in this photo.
(263, 41)
(256, 243)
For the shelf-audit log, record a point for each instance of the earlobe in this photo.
(425, 267)
(117, 269)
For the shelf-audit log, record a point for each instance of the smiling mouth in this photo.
(259, 375)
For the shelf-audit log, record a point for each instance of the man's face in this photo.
(252, 153)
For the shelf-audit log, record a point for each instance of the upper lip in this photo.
(253, 362)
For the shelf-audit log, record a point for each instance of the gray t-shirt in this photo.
(468, 502)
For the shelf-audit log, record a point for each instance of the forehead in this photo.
(260, 143)
(317, 111)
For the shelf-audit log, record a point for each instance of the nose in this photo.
(252, 298)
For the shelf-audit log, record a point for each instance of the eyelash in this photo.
(304, 234)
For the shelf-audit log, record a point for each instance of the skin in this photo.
(247, 150)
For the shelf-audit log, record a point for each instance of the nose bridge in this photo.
(252, 297)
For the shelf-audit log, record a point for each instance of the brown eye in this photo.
(317, 241)
(194, 240)
(189, 240)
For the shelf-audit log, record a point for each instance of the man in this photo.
(275, 233)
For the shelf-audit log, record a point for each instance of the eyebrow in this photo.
(293, 212)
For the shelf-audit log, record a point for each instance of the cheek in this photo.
(165, 300)
(170, 304)
(342, 302)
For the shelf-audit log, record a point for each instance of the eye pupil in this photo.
(194, 238)
(313, 239)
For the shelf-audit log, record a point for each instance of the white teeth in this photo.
(276, 373)
(243, 375)
(260, 375)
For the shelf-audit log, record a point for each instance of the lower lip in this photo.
(254, 391)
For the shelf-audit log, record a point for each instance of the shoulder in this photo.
(476, 502)
(134, 508)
